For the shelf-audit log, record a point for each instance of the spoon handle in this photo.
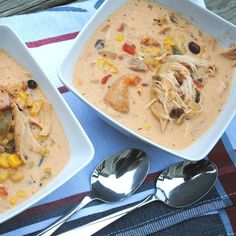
(55, 225)
(96, 225)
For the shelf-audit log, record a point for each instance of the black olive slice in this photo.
(100, 44)
(32, 84)
(176, 113)
(194, 48)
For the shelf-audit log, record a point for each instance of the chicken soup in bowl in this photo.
(155, 74)
(31, 137)
(42, 144)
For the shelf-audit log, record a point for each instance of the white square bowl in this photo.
(81, 149)
(212, 24)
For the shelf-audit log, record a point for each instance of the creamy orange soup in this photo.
(33, 146)
(155, 73)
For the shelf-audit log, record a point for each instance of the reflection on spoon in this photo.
(113, 180)
(180, 185)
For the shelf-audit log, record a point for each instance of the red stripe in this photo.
(220, 156)
(63, 89)
(55, 39)
(226, 170)
(227, 176)
(49, 207)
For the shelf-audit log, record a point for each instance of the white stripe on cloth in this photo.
(46, 24)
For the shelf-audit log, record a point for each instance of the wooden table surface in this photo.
(224, 8)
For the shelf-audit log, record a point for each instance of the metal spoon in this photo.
(180, 185)
(113, 180)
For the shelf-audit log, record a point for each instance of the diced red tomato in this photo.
(199, 85)
(105, 78)
(3, 192)
(129, 48)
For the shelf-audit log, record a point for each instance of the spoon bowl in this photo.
(185, 183)
(113, 180)
(119, 176)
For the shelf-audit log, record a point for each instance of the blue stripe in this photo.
(225, 219)
(67, 8)
(98, 4)
(159, 222)
(229, 148)
(218, 186)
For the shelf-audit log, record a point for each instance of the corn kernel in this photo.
(120, 37)
(169, 49)
(42, 138)
(80, 82)
(22, 95)
(151, 50)
(101, 62)
(29, 102)
(147, 126)
(114, 70)
(14, 160)
(21, 193)
(36, 107)
(152, 62)
(47, 170)
(3, 160)
(169, 41)
(109, 63)
(182, 37)
(13, 201)
(17, 176)
(4, 175)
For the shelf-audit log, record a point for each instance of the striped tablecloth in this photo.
(49, 34)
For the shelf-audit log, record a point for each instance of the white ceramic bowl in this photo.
(81, 149)
(225, 34)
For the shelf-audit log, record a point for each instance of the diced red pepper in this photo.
(129, 48)
(132, 81)
(3, 192)
(199, 85)
(105, 78)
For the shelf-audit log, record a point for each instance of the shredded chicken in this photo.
(136, 64)
(25, 141)
(169, 28)
(5, 102)
(230, 53)
(175, 91)
(47, 120)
